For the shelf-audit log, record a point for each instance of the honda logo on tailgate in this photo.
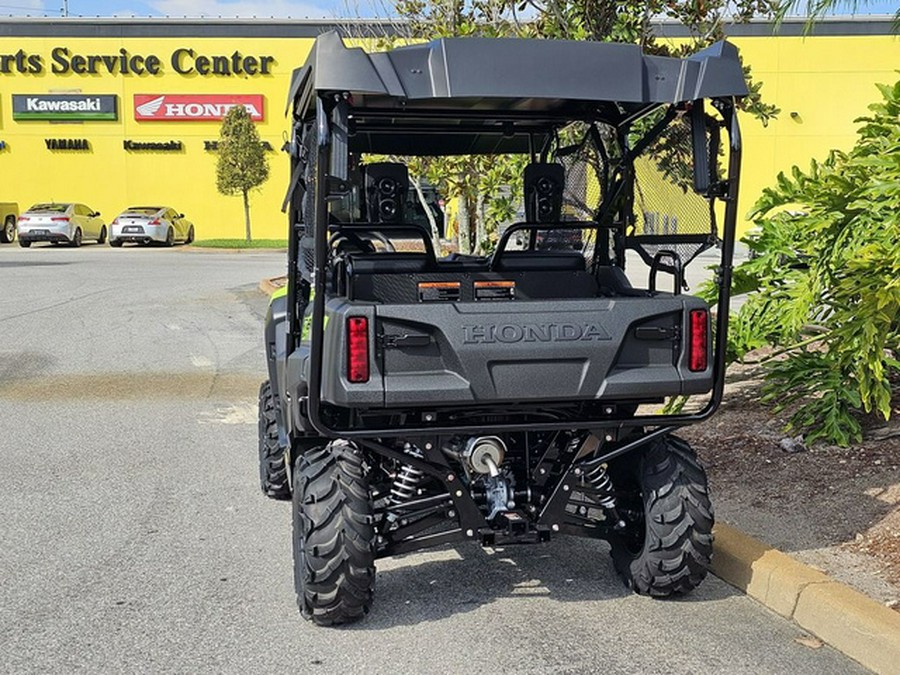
(194, 107)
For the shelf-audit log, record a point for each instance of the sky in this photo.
(297, 9)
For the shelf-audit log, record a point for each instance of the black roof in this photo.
(513, 74)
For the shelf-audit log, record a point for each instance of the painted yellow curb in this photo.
(844, 618)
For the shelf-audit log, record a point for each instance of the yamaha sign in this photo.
(65, 107)
(194, 107)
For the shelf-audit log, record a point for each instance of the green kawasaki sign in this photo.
(65, 107)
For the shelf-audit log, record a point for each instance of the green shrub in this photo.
(826, 282)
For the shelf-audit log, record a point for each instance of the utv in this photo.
(416, 399)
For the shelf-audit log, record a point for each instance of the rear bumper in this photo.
(148, 233)
(48, 235)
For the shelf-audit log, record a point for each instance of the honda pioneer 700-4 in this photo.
(416, 399)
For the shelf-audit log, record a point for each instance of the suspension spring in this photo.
(407, 481)
(599, 480)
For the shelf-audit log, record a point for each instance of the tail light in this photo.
(155, 221)
(60, 219)
(358, 349)
(698, 356)
(115, 221)
(23, 219)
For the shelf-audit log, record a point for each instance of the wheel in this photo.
(76, 240)
(24, 244)
(666, 546)
(170, 237)
(102, 238)
(273, 477)
(334, 538)
(8, 233)
(190, 237)
(116, 242)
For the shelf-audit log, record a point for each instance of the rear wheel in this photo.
(115, 242)
(334, 536)
(76, 240)
(273, 477)
(666, 546)
(170, 237)
(8, 233)
(24, 244)
(102, 238)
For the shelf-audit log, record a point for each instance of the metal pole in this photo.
(65, 8)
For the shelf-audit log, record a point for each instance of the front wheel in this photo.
(273, 478)
(190, 237)
(8, 233)
(334, 535)
(102, 238)
(666, 546)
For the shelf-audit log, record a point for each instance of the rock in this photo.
(792, 445)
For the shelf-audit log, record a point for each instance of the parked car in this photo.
(149, 224)
(9, 213)
(71, 223)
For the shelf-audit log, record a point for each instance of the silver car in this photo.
(60, 223)
(148, 224)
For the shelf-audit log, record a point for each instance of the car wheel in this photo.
(170, 237)
(102, 238)
(76, 240)
(24, 244)
(117, 243)
(665, 547)
(190, 237)
(8, 233)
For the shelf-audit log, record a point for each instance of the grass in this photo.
(241, 243)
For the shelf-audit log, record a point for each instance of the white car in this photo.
(60, 223)
(148, 224)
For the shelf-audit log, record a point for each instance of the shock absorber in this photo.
(408, 479)
(599, 480)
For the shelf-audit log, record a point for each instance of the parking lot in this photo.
(134, 536)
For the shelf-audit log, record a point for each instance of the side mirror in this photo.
(181, 215)
(95, 214)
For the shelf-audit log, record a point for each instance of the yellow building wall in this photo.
(826, 81)
(108, 178)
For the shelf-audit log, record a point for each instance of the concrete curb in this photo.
(846, 619)
(269, 286)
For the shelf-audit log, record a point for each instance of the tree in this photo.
(242, 163)
(475, 180)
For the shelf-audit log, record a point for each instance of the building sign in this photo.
(67, 144)
(65, 107)
(184, 61)
(194, 107)
(153, 146)
(213, 146)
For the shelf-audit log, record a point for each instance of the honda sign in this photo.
(194, 107)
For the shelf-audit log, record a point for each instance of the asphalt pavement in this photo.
(134, 537)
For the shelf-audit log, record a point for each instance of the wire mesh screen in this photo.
(669, 215)
(586, 170)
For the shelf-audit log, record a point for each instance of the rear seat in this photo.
(541, 261)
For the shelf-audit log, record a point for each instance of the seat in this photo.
(541, 261)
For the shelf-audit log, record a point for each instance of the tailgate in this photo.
(447, 353)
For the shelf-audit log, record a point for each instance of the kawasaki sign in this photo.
(65, 107)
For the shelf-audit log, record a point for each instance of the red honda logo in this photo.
(194, 107)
